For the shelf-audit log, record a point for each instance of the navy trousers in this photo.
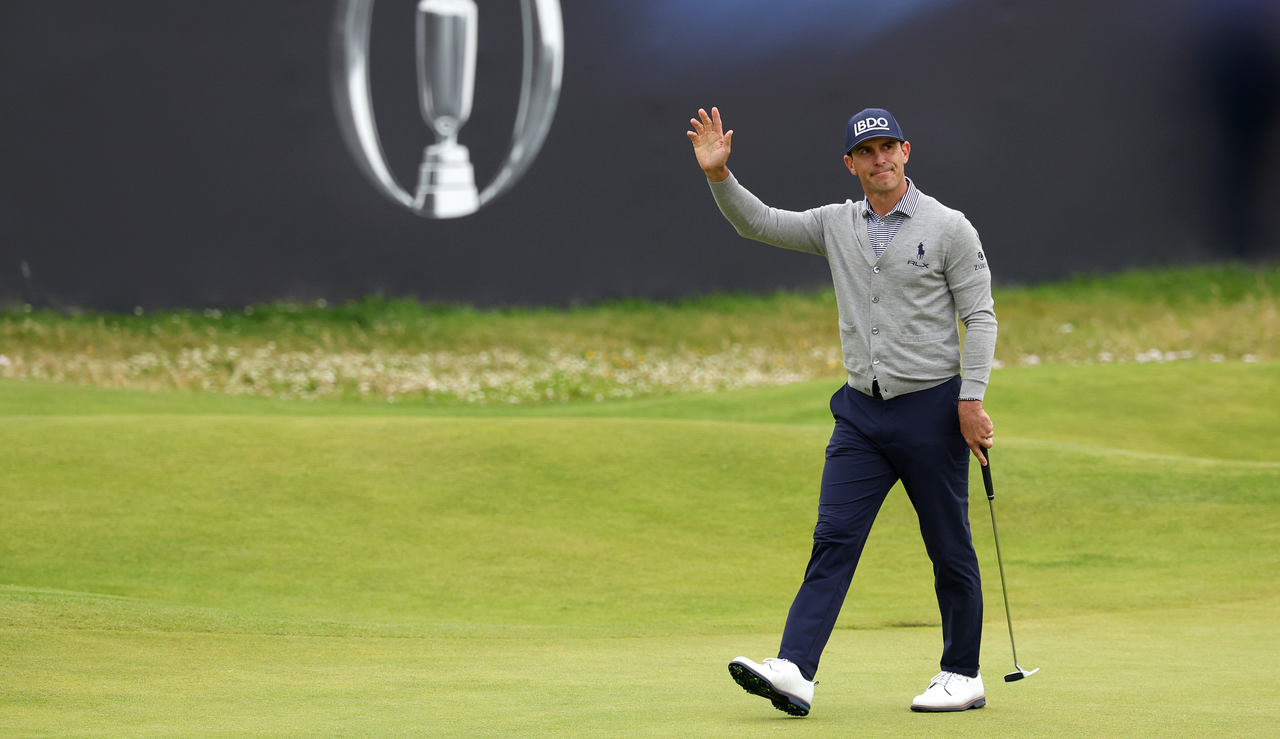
(914, 438)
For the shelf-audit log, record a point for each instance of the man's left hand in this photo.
(976, 427)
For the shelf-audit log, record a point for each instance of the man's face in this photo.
(878, 163)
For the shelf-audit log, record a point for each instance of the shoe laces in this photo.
(777, 662)
(943, 679)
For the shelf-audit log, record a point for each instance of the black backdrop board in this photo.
(166, 154)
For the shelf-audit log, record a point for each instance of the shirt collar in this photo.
(906, 206)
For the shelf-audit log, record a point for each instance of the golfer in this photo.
(904, 267)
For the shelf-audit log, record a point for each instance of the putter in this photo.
(991, 502)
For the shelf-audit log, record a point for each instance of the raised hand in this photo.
(711, 144)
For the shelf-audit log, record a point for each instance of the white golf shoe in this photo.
(779, 680)
(950, 691)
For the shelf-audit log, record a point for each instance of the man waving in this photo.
(904, 268)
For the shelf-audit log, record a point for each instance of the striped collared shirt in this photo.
(881, 230)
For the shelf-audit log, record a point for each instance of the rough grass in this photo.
(404, 350)
(1207, 313)
(185, 564)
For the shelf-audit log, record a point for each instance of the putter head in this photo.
(1021, 673)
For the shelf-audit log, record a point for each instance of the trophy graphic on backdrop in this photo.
(446, 35)
(446, 86)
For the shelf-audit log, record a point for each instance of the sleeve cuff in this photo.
(723, 183)
(972, 389)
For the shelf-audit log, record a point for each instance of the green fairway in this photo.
(191, 564)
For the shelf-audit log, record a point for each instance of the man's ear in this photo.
(848, 162)
(906, 150)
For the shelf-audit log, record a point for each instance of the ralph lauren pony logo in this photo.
(919, 255)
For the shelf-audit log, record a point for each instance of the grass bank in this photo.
(404, 350)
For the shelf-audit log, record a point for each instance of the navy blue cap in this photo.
(869, 124)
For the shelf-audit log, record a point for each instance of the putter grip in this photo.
(986, 475)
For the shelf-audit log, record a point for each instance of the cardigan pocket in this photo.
(920, 357)
(852, 347)
(923, 338)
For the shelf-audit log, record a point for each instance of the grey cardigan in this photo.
(897, 313)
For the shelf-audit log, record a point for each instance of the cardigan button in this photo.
(875, 298)
(875, 331)
(876, 270)
(875, 361)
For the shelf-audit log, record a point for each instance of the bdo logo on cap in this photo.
(868, 124)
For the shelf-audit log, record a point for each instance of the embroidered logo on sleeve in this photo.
(982, 262)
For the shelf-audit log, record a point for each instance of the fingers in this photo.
(708, 124)
(728, 141)
(977, 452)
